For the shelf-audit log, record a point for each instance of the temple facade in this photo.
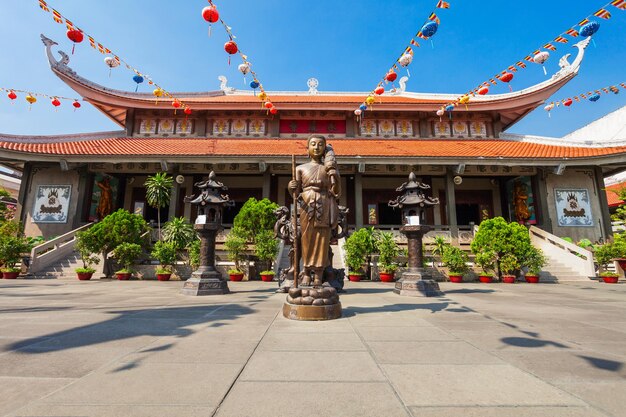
(475, 169)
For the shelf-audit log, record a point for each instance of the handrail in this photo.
(576, 257)
(53, 250)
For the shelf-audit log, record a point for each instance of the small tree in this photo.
(254, 217)
(12, 245)
(236, 247)
(165, 253)
(126, 254)
(7, 211)
(358, 249)
(487, 261)
(455, 259)
(508, 264)
(440, 243)
(535, 260)
(388, 251)
(87, 247)
(266, 247)
(193, 249)
(158, 193)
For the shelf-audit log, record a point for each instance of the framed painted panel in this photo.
(442, 129)
(239, 126)
(459, 128)
(166, 126)
(147, 127)
(386, 128)
(404, 128)
(257, 126)
(478, 129)
(52, 203)
(573, 207)
(220, 127)
(184, 127)
(368, 127)
(372, 214)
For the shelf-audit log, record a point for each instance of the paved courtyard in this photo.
(110, 348)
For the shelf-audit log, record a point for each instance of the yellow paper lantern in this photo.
(157, 92)
(370, 100)
(31, 99)
(262, 96)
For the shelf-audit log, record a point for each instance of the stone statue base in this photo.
(312, 304)
(205, 283)
(417, 284)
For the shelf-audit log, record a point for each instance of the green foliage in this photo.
(585, 244)
(158, 192)
(165, 253)
(455, 259)
(487, 261)
(508, 264)
(620, 212)
(388, 250)
(502, 238)
(535, 260)
(194, 253)
(267, 273)
(266, 246)
(12, 244)
(87, 247)
(179, 232)
(254, 217)
(7, 212)
(117, 228)
(440, 243)
(358, 247)
(235, 271)
(236, 247)
(568, 239)
(610, 250)
(126, 254)
(85, 270)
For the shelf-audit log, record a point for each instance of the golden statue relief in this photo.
(520, 203)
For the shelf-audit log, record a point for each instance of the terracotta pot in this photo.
(610, 280)
(508, 279)
(267, 277)
(84, 276)
(622, 263)
(354, 278)
(235, 277)
(387, 277)
(163, 277)
(10, 275)
(532, 279)
(123, 276)
(456, 278)
(485, 278)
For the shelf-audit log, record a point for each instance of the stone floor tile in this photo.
(303, 342)
(403, 334)
(539, 411)
(17, 392)
(65, 410)
(438, 352)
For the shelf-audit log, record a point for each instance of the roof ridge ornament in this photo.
(402, 88)
(58, 64)
(566, 67)
(223, 85)
(313, 83)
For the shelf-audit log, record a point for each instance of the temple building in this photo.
(475, 169)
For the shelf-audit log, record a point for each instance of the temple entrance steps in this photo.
(566, 261)
(64, 268)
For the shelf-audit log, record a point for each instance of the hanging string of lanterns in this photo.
(584, 28)
(427, 31)
(592, 96)
(211, 15)
(112, 60)
(31, 98)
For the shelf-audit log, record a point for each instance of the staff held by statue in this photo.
(296, 256)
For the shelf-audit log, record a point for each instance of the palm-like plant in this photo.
(158, 193)
(180, 232)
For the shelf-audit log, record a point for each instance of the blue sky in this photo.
(347, 45)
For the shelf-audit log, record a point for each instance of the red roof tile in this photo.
(611, 194)
(434, 148)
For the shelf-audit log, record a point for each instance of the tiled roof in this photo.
(321, 98)
(432, 148)
(611, 194)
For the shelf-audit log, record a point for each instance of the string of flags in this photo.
(211, 15)
(592, 96)
(112, 60)
(584, 28)
(31, 98)
(427, 31)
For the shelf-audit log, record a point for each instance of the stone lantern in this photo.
(207, 280)
(415, 280)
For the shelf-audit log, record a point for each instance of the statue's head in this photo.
(316, 146)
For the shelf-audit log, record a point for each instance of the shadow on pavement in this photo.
(390, 308)
(527, 342)
(606, 364)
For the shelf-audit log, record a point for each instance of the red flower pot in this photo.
(508, 279)
(123, 276)
(354, 278)
(610, 280)
(10, 275)
(84, 276)
(456, 278)
(235, 277)
(532, 279)
(267, 277)
(485, 278)
(163, 277)
(386, 277)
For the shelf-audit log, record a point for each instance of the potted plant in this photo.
(487, 262)
(12, 245)
(534, 261)
(604, 254)
(158, 193)
(455, 259)
(357, 250)
(165, 253)
(236, 247)
(126, 254)
(265, 250)
(438, 246)
(267, 276)
(388, 251)
(87, 247)
(508, 265)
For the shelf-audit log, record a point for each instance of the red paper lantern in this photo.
(391, 76)
(273, 110)
(506, 77)
(12, 95)
(75, 36)
(55, 102)
(268, 105)
(483, 90)
(76, 104)
(568, 102)
(187, 111)
(379, 90)
(210, 14)
(176, 104)
(230, 47)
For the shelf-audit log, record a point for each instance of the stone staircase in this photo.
(64, 268)
(557, 271)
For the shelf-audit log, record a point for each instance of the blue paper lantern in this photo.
(594, 97)
(363, 107)
(138, 79)
(429, 29)
(450, 107)
(589, 28)
(254, 84)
